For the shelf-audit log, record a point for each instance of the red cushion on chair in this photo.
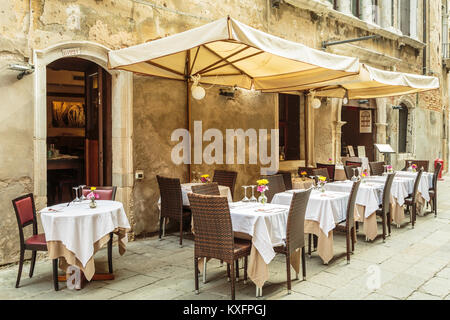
(103, 194)
(38, 239)
(25, 210)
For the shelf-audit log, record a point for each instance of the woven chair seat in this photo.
(280, 249)
(432, 193)
(242, 247)
(409, 201)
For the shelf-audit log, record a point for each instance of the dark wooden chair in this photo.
(376, 168)
(287, 178)
(385, 212)
(433, 189)
(320, 172)
(105, 193)
(331, 169)
(410, 201)
(172, 203)
(419, 163)
(226, 178)
(353, 163)
(349, 171)
(210, 189)
(276, 185)
(26, 215)
(308, 170)
(214, 235)
(348, 225)
(295, 233)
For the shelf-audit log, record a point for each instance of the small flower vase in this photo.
(93, 204)
(322, 188)
(262, 198)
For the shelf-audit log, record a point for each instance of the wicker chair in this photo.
(385, 212)
(226, 178)
(105, 193)
(419, 163)
(320, 172)
(410, 202)
(330, 167)
(171, 204)
(276, 185)
(26, 215)
(433, 190)
(287, 178)
(376, 168)
(214, 235)
(295, 233)
(349, 171)
(209, 189)
(309, 171)
(349, 224)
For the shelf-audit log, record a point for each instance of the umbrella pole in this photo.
(188, 107)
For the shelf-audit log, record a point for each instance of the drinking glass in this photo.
(76, 194)
(245, 199)
(253, 198)
(82, 195)
(354, 178)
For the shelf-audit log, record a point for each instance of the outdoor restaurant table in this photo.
(76, 232)
(265, 225)
(323, 212)
(368, 200)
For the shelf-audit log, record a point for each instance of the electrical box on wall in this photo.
(139, 174)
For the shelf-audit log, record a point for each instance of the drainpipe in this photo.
(424, 63)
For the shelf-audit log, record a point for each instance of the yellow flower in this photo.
(303, 173)
(262, 182)
(93, 188)
(205, 176)
(322, 178)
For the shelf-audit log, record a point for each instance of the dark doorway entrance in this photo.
(360, 127)
(79, 126)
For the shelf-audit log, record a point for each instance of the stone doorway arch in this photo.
(122, 116)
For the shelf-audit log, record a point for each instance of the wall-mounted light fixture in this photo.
(23, 69)
(197, 91)
(275, 3)
(229, 93)
(397, 107)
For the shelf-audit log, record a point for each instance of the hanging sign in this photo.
(365, 121)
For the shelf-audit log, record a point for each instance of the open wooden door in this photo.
(98, 144)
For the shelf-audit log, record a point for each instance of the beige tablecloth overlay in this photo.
(370, 228)
(56, 249)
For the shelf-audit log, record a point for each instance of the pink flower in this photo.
(93, 195)
(262, 188)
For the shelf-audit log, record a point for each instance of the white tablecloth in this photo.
(78, 226)
(328, 208)
(370, 194)
(409, 178)
(266, 224)
(427, 176)
(400, 187)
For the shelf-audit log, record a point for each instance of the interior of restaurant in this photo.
(360, 129)
(78, 127)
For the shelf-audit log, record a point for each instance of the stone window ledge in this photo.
(323, 7)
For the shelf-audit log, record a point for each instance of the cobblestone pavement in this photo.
(411, 264)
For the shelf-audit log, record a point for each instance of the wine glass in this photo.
(82, 194)
(253, 198)
(76, 194)
(245, 199)
(354, 178)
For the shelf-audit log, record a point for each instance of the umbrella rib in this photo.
(232, 62)
(220, 58)
(195, 58)
(164, 68)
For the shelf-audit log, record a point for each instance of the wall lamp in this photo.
(275, 4)
(397, 107)
(229, 93)
(23, 69)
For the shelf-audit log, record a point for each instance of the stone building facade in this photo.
(145, 110)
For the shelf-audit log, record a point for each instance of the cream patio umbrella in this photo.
(370, 83)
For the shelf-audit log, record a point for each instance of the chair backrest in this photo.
(105, 193)
(330, 167)
(387, 193)
(353, 163)
(213, 229)
(321, 172)
(295, 232)
(437, 169)
(308, 170)
(226, 178)
(419, 163)
(349, 171)
(276, 185)
(416, 185)
(376, 168)
(350, 216)
(171, 197)
(25, 214)
(210, 189)
(287, 178)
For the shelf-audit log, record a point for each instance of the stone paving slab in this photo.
(412, 264)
